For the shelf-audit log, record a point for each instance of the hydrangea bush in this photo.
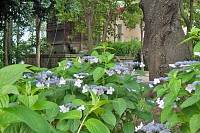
(89, 94)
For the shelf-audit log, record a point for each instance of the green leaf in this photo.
(175, 86)
(51, 114)
(110, 56)
(35, 121)
(96, 126)
(78, 102)
(109, 65)
(7, 118)
(102, 102)
(9, 89)
(10, 74)
(62, 125)
(98, 73)
(18, 128)
(165, 114)
(73, 125)
(69, 98)
(74, 114)
(95, 99)
(119, 105)
(195, 123)
(108, 117)
(169, 99)
(190, 101)
(94, 53)
(197, 47)
(4, 100)
(173, 120)
(128, 127)
(41, 105)
(28, 100)
(145, 115)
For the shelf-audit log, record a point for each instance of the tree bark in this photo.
(105, 31)
(38, 45)
(163, 32)
(89, 13)
(7, 42)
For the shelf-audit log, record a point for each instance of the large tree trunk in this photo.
(163, 32)
(38, 45)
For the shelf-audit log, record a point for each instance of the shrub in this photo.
(89, 94)
(130, 48)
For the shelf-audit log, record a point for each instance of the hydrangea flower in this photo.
(139, 127)
(98, 89)
(90, 59)
(190, 88)
(172, 65)
(40, 85)
(154, 127)
(160, 103)
(110, 90)
(156, 81)
(62, 81)
(78, 83)
(85, 88)
(81, 75)
(63, 109)
(142, 64)
(82, 107)
(109, 72)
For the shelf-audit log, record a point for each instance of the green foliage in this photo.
(72, 104)
(181, 94)
(130, 48)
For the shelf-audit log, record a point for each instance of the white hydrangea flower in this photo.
(78, 76)
(95, 91)
(190, 88)
(188, 71)
(197, 53)
(156, 81)
(172, 65)
(142, 64)
(160, 103)
(40, 85)
(85, 88)
(63, 109)
(151, 86)
(110, 90)
(62, 81)
(110, 73)
(93, 60)
(118, 71)
(78, 83)
(79, 60)
(82, 107)
(139, 127)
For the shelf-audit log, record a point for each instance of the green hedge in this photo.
(130, 48)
